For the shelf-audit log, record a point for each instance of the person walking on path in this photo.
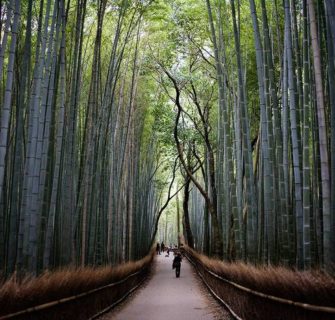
(177, 264)
(162, 247)
(158, 248)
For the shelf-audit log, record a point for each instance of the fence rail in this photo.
(245, 303)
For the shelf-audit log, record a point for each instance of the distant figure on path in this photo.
(176, 264)
(162, 246)
(158, 248)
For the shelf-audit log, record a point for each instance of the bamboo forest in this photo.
(127, 122)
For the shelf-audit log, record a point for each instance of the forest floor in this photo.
(165, 297)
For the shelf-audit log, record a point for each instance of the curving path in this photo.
(166, 297)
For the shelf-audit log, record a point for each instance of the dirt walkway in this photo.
(166, 297)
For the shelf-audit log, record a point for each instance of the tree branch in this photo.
(169, 198)
(179, 147)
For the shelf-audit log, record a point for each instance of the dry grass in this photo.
(313, 287)
(50, 286)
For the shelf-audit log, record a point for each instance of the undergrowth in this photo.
(16, 295)
(313, 287)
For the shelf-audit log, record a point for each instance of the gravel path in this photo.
(165, 297)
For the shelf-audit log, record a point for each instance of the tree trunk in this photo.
(328, 216)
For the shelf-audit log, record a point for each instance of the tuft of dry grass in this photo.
(312, 287)
(51, 286)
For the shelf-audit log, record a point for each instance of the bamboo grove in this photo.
(77, 160)
(255, 151)
(111, 108)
